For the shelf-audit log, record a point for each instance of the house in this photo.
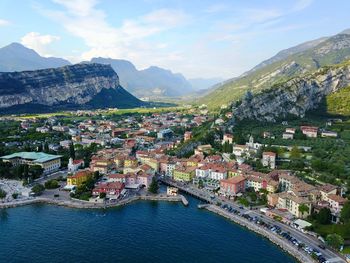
(79, 178)
(111, 189)
(240, 150)
(331, 134)
(184, 173)
(42, 129)
(266, 135)
(336, 202)
(144, 179)
(309, 131)
(100, 164)
(49, 162)
(212, 171)
(269, 159)
(228, 138)
(206, 148)
(232, 186)
(172, 191)
(75, 165)
(130, 161)
(117, 178)
(165, 134)
(290, 130)
(292, 203)
(187, 136)
(288, 136)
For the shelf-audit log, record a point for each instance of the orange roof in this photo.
(234, 180)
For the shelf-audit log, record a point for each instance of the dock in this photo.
(186, 190)
(202, 206)
(184, 200)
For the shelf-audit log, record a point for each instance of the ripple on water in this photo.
(139, 232)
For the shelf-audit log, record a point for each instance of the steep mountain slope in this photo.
(16, 57)
(338, 103)
(298, 95)
(77, 86)
(151, 82)
(313, 55)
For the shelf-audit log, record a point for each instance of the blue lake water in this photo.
(139, 232)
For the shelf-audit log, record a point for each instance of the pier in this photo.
(190, 191)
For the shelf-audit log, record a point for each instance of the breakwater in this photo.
(75, 203)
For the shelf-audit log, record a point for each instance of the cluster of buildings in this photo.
(295, 193)
(309, 132)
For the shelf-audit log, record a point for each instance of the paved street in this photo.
(302, 237)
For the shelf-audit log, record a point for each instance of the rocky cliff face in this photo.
(70, 85)
(296, 96)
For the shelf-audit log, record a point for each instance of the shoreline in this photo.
(80, 204)
(282, 244)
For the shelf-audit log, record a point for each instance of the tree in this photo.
(3, 194)
(153, 187)
(295, 153)
(97, 175)
(38, 189)
(345, 212)
(335, 241)
(14, 195)
(40, 148)
(46, 147)
(36, 171)
(303, 208)
(51, 184)
(102, 195)
(324, 216)
(71, 151)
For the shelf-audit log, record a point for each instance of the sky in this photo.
(198, 38)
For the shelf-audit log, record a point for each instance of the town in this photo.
(101, 158)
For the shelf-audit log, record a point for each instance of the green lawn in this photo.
(324, 230)
(346, 250)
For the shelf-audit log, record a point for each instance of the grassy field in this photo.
(104, 112)
(324, 230)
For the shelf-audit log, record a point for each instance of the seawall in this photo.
(283, 244)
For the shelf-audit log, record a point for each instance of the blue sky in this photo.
(198, 38)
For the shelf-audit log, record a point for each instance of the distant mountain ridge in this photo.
(79, 86)
(16, 57)
(301, 59)
(150, 82)
(153, 82)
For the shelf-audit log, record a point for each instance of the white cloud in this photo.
(78, 7)
(130, 40)
(40, 43)
(302, 4)
(4, 22)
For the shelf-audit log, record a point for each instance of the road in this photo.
(302, 237)
(54, 175)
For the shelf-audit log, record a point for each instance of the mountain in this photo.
(16, 57)
(70, 87)
(326, 89)
(151, 82)
(203, 84)
(301, 59)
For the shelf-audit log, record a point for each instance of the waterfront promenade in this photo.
(309, 240)
(75, 203)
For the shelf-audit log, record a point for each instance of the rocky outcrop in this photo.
(296, 96)
(70, 85)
